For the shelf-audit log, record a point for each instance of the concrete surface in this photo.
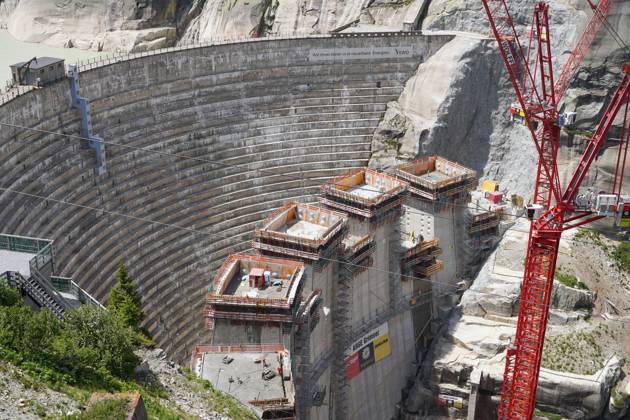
(15, 261)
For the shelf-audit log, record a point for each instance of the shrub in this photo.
(8, 295)
(27, 332)
(106, 409)
(621, 255)
(569, 280)
(97, 339)
(89, 348)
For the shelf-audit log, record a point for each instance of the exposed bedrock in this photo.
(134, 25)
(97, 25)
(446, 108)
(452, 106)
(265, 123)
(577, 373)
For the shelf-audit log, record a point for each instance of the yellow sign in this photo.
(382, 348)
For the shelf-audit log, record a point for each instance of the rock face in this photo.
(97, 25)
(230, 19)
(134, 25)
(446, 108)
(477, 334)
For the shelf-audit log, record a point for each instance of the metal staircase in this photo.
(395, 285)
(342, 328)
(34, 287)
(306, 318)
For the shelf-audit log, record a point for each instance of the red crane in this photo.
(555, 209)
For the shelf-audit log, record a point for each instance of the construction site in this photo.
(370, 223)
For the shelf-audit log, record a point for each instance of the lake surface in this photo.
(13, 51)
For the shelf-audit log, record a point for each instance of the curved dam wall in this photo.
(266, 121)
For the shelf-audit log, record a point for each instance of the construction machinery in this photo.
(554, 209)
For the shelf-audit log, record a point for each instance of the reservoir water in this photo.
(13, 51)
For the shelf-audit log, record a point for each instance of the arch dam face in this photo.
(266, 121)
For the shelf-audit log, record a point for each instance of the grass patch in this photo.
(569, 280)
(107, 409)
(577, 353)
(393, 143)
(621, 256)
(618, 399)
(547, 415)
(158, 410)
(572, 130)
(591, 235)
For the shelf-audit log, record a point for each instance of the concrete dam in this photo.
(236, 130)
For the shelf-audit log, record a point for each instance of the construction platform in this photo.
(259, 376)
(16, 261)
(237, 281)
(364, 192)
(421, 257)
(435, 178)
(302, 231)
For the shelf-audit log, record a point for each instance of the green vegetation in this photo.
(577, 353)
(591, 235)
(91, 348)
(8, 296)
(394, 143)
(124, 301)
(547, 415)
(571, 129)
(569, 280)
(621, 255)
(618, 398)
(107, 409)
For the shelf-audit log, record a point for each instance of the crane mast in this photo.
(554, 211)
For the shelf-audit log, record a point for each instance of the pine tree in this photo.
(124, 301)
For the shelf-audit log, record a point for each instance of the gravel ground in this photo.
(188, 396)
(21, 398)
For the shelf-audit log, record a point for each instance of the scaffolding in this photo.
(421, 258)
(321, 232)
(365, 193)
(222, 301)
(342, 329)
(358, 254)
(438, 180)
(482, 234)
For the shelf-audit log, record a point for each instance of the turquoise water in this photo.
(13, 51)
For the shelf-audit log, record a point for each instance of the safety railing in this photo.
(211, 312)
(422, 246)
(66, 285)
(101, 61)
(114, 58)
(23, 244)
(282, 303)
(13, 92)
(10, 278)
(235, 348)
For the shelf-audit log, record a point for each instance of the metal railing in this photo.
(113, 58)
(23, 244)
(66, 285)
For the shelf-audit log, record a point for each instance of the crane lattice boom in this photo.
(531, 74)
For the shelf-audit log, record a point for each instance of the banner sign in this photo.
(367, 350)
(359, 53)
(625, 216)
